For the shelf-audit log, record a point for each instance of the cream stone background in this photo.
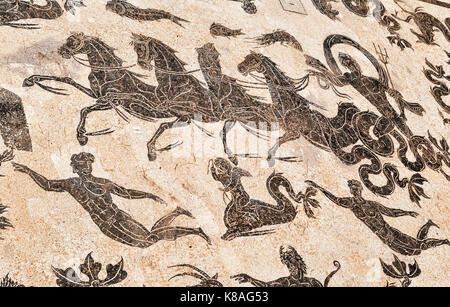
(53, 229)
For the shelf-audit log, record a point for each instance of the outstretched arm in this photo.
(402, 103)
(44, 183)
(340, 201)
(393, 212)
(132, 194)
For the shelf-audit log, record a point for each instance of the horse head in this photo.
(75, 44)
(254, 62)
(99, 54)
(208, 59)
(145, 51)
(208, 54)
(149, 49)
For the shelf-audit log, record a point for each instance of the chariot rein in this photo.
(300, 83)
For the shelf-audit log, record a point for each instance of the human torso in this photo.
(94, 197)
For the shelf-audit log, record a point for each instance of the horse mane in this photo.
(232, 81)
(139, 38)
(107, 48)
(268, 62)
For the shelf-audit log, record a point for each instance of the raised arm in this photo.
(324, 74)
(345, 202)
(244, 278)
(44, 183)
(132, 194)
(392, 212)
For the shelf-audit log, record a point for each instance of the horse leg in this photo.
(287, 137)
(229, 124)
(35, 79)
(81, 130)
(179, 122)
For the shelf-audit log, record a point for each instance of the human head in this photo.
(293, 261)
(355, 187)
(349, 62)
(82, 163)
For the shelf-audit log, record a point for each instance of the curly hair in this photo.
(289, 256)
(355, 184)
(82, 157)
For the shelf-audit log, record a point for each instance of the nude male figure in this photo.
(371, 214)
(94, 195)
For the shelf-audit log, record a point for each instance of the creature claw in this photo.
(182, 211)
(82, 139)
(431, 223)
(309, 212)
(415, 190)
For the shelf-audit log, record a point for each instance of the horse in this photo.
(207, 104)
(112, 85)
(234, 98)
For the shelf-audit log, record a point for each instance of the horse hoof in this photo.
(28, 82)
(82, 140)
(230, 235)
(226, 237)
(151, 156)
(271, 162)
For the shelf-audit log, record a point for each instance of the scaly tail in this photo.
(327, 280)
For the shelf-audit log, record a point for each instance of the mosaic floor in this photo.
(224, 143)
